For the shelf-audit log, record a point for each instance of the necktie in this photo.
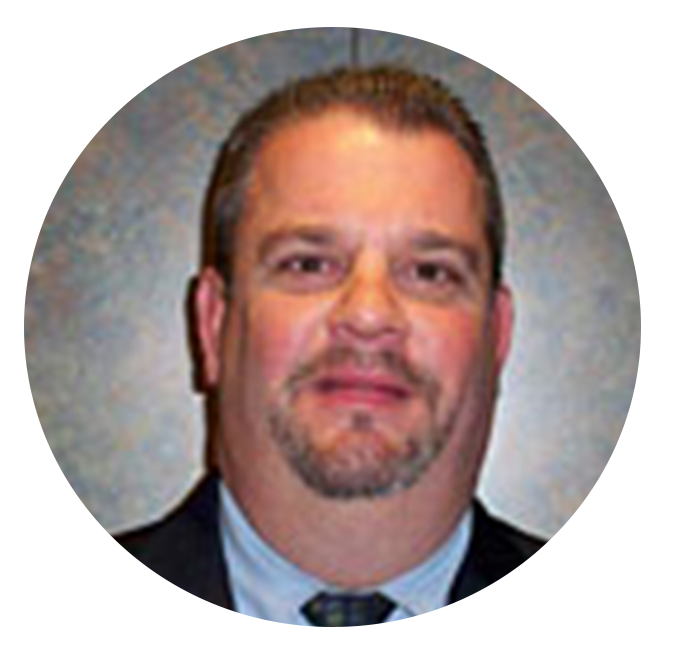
(347, 609)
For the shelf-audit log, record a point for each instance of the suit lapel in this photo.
(180, 578)
(497, 587)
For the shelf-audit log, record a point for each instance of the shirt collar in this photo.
(426, 587)
(267, 586)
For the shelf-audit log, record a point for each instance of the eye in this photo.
(304, 272)
(304, 264)
(438, 274)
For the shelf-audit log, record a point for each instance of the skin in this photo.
(359, 245)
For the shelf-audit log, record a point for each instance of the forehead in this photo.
(345, 165)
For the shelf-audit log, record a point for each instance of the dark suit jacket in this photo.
(173, 575)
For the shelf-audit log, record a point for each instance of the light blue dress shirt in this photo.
(265, 585)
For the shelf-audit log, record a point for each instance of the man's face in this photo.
(361, 338)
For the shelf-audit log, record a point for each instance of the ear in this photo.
(503, 324)
(210, 308)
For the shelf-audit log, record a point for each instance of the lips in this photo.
(360, 388)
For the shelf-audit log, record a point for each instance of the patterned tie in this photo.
(347, 609)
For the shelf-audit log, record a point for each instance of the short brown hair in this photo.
(392, 96)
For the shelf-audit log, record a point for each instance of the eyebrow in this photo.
(436, 241)
(427, 241)
(315, 236)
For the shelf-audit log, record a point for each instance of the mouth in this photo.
(350, 388)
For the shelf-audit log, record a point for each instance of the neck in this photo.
(348, 543)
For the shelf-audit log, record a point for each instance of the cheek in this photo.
(282, 335)
(449, 346)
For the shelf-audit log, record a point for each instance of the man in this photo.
(352, 326)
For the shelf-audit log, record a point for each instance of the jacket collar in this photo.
(498, 587)
(180, 578)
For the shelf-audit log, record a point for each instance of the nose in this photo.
(368, 311)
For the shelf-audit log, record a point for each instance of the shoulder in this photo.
(591, 594)
(68, 586)
(76, 586)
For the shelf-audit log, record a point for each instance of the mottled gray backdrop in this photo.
(105, 336)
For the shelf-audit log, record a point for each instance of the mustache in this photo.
(387, 361)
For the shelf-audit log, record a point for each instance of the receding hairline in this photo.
(390, 125)
(391, 97)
